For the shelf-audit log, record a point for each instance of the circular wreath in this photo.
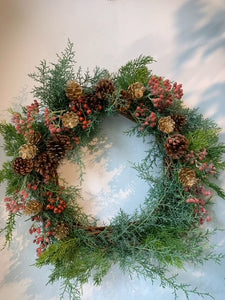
(167, 230)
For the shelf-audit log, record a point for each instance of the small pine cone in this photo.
(70, 120)
(33, 207)
(33, 138)
(61, 231)
(45, 166)
(177, 146)
(22, 166)
(93, 102)
(166, 124)
(57, 146)
(187, 177)
(136, 90)
(73, 90)
(180, 121)
(28, 151)
(104, 87)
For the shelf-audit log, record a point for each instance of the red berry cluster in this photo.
(193, 157)
(200, 203)
(83, 109)
(25, 124)
(145, 116)
(56, 204)
(50, 118)
(16, 203)
(164, 92)
(42, 236)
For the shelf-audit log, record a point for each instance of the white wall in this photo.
(187, 38)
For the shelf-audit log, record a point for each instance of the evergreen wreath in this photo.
(167, 230)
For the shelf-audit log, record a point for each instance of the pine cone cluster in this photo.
(177, 146)
(187, 177)
(57, 146)
(166, 124)
(23, 166)
(136, 90)
(180, 122)
(28, 151)
(70, 119)
(104, 87)
(33, 138)
(33, 207)
(73, 90)
(61, 231)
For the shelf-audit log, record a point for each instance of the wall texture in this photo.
(187, 39)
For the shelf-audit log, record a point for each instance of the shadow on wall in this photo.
(197, 29)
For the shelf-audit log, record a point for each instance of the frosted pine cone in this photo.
(136, 90)
(70, 120)
(73, 90)
(166, 124)
(33, 207)
(61, 231)
(28, 151)
(187, 177)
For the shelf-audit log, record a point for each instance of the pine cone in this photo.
(166, 124)
(125, 101)
(61, 231)
(45, 166)
(28, 151)
(180, 121)
(22, 166)
(73, 90)
(33, 207)
(70, 120)
(57, 146)
(177, 146)
(187, 177)
(33, 138)
(93, 102)
(136, 90)
(104, 87)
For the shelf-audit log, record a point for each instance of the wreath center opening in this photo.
(110, 181)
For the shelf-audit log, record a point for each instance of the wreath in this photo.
(167, 230)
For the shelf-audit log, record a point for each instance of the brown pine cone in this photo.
(73, 90)
(176, 146)
(93, 102)
(33, 138)
(57, 147)
(22, 166)
(61, 231)
(180, 121)
(136, 90)
(45, 166)
(187, 177)
(33, 207)
(104, 87)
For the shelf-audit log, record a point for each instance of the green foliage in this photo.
(134, 71)
(200, 139)
(52, 80)
(12, 140)
(10, 225)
